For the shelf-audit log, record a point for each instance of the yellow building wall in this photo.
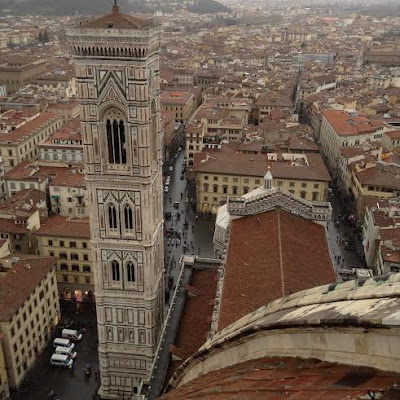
(208, 200)
(4, 390)
(27, 333)
(72, 274)
(26, 150)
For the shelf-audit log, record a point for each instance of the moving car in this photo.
(176, 204)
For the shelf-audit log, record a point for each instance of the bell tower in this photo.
(117, 71)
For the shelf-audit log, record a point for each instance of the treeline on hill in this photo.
(99, 7)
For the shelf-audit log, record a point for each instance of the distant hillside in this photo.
(98, 7)
(207, 7)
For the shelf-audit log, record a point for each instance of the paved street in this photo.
(66, 384)
(344, 239)
(199, 234)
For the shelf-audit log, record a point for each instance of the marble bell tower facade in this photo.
(117, 71)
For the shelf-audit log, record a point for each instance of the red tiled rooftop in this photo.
(176, 97)
(280, 378)
(56, 225)
(70, 131)
(118, 20)
(345, 125)
(29, 128)
(60, 176)
(393, 135)
(229, 163)
(10, 226)
(19, 282)
(271, 255)
(197, 311)
(195, 322)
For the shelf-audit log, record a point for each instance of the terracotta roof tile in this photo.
(10, 226)
(26, 130)
(195, 322)
(19, 282)
(345, 125)
(257, 165)
(56, 225)
(118, 20)
(60, 176)
(279, 378)
(271, 255)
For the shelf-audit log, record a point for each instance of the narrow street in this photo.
(344, 239)
(197, 238)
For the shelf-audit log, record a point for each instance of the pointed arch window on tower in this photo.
(115, 271)
(130, 272)
(112, 216)
(116, 141)
(128, 217)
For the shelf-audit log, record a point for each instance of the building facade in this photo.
(343, 129)
(219, 176)
(4, 389)
(17, 145)
(30, 310)
(117, 68)
(16, 72)
(69, 241)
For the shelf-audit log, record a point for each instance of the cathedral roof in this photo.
(262, 265)
(271, 378)
(118, 20)
(354, 323)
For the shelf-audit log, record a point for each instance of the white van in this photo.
(60, 360)
(63, 343)
(71, 334)
(68, 351)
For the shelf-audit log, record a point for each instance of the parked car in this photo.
(60, 360)
(182, 177)
(63, 342)
(171, 168)
(166, 189)
(71, 334)
(67, 351)
(168, 180)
